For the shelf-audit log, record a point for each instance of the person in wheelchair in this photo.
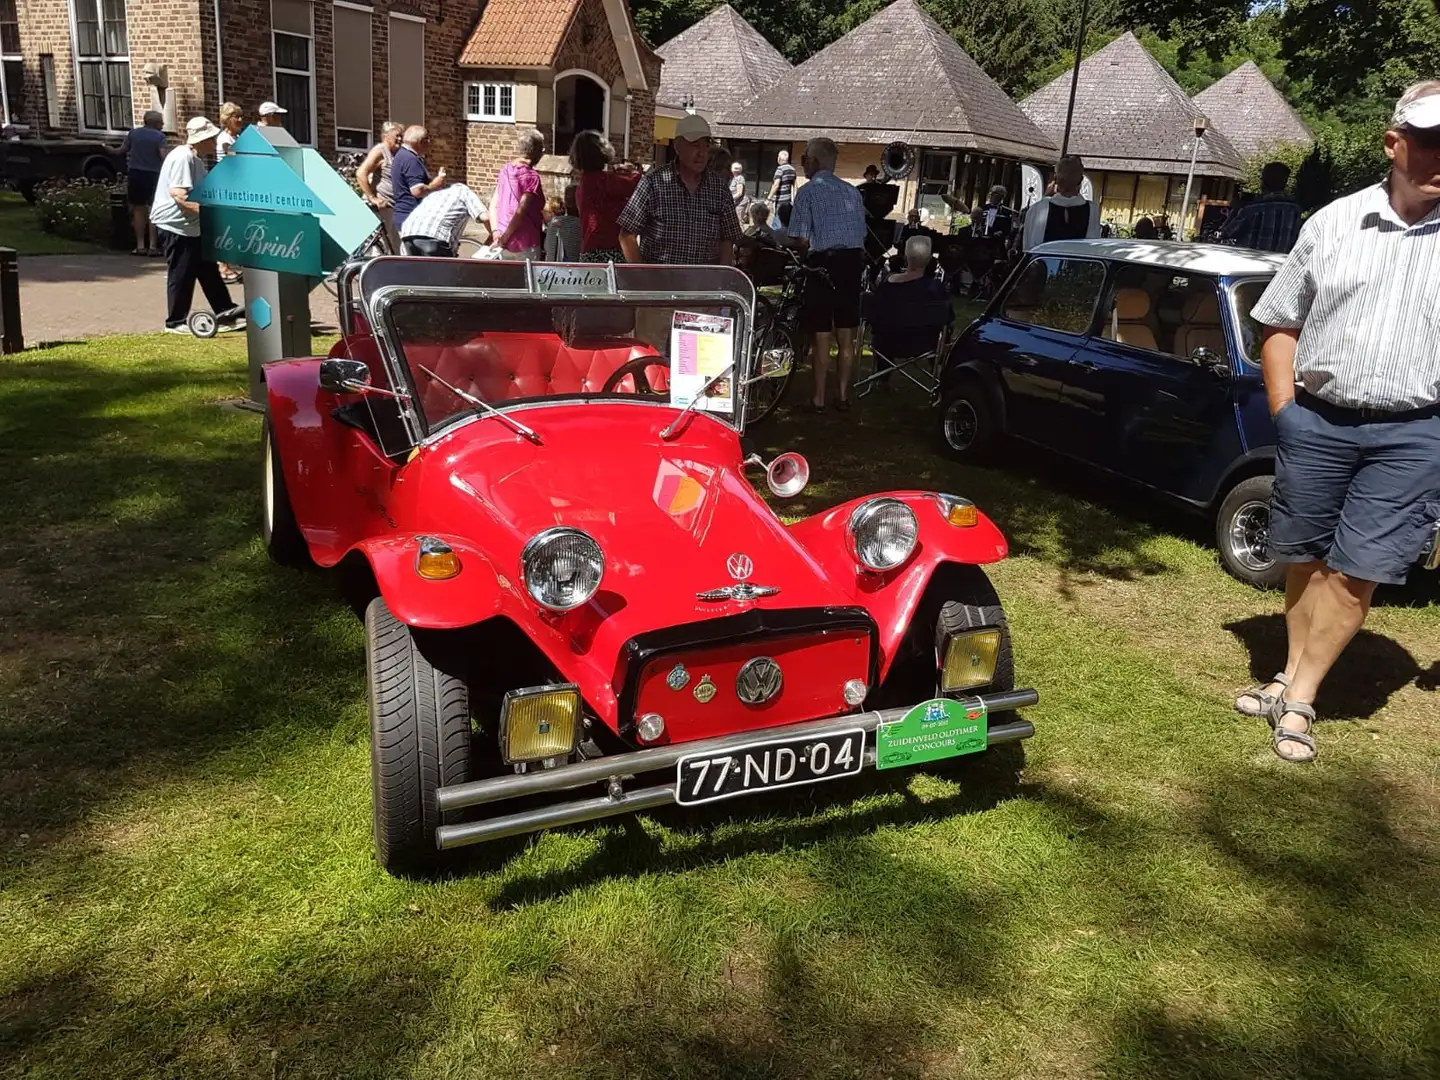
(908, 313)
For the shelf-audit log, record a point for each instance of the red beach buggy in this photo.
(584, 607)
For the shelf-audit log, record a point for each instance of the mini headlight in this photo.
(883, 533)
(561, 568)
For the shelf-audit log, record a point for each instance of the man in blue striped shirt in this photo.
(828, 221)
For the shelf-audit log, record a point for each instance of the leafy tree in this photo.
(1355, 56)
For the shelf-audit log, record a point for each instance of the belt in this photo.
(1364, 412)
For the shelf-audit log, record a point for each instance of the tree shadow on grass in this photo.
(1371, 670)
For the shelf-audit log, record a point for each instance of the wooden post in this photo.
(11, 339)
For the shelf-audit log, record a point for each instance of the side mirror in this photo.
(786, 476)
(344, 376)
(1210, 361)
(774, 364)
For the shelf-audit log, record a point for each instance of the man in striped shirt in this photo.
(1352, 373)
(436, 225)
(1271, 222)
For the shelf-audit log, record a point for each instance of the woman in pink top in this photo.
(519, 204)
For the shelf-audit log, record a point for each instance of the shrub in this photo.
(76, 209)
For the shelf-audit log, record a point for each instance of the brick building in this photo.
(470, 70)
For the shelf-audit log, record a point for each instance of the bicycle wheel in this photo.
(468, 248)
(764, 396)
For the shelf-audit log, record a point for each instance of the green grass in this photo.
(186, 880)
(19, 229)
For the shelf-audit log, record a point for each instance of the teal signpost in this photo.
(280, 211)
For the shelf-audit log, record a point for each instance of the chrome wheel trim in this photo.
(962, 424)
(1249, 536)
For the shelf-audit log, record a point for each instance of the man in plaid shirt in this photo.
(1271, 222)
(681, 212)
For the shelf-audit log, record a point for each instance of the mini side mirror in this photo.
(341, 376)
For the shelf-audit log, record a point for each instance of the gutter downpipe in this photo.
(219, 61)
(628, 99)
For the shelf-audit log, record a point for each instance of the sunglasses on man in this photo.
(1424, 138)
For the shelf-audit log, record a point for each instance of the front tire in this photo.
(1242, 534)
(420, 739)
(284, 542)
(969, 428)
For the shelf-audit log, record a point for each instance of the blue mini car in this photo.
(1139, 357)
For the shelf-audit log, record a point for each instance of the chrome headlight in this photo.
(561, 568)
(883, 533)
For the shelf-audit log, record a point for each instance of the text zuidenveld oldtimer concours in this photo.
(935, 736)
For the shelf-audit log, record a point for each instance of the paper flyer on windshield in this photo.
(702, 347)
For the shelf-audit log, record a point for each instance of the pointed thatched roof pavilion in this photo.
(718, 64)
(1254, 116)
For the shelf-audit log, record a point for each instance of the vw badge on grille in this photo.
(759, 681)
(705, 690)
(740, 566)
(678, 678)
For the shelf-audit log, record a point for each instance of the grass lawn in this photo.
(187, 887)
(20, 230)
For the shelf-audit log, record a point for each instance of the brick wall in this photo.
(170, 34)
(45, 28)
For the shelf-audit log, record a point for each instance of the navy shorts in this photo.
(1360, 493)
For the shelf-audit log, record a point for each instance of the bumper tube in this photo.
(616, 768)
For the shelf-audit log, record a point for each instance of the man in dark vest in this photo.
(1066, 215)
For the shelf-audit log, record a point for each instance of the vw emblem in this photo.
(678, 678)
(759, 681)
(740, 566)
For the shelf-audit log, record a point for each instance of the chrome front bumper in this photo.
(615, 770)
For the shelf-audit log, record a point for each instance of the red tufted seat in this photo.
(499, 367)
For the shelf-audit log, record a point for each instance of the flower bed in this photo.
(76, 209)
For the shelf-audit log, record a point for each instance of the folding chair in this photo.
(908, 336)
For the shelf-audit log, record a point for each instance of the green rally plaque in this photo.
(931, 731)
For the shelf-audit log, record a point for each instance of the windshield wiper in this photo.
(670, 430)
(471, 399)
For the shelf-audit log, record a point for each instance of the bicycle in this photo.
(777, 329)
(377, 244)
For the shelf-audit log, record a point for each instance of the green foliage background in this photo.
(1341, 63)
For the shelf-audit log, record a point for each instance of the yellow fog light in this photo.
(970, 660)
(957, 511)
(436, 560)
(542, 722)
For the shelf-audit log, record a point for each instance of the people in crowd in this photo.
(1353, 380)
(1064, 215)
(410, 179)
(375, 177)
(563, 235)
(436, 225)
(271, 115)
(758, 227)
(232, 122)
(878, 199)
(681, 212)
(1145, 230)
(782, 187)
(909, 309)
(144, 149)
(1271, 222)
(176, 218)
(829, 223)
(518, 213)
(994, 220)
(602, 194)
(739, 192)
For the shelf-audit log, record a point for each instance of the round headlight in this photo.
(883, 533)
(562, 568)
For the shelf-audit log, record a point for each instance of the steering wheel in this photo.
(633, 368)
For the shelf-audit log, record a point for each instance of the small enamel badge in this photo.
(704, 690)
(678, 678)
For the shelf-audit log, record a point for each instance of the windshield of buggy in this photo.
(460, 332)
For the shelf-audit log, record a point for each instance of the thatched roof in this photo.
(721, 61)
(896, 76)
(1130, 116)
(1254, 116)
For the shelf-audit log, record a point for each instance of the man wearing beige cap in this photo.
(271, 115)
(176, 218)
(1353, 378)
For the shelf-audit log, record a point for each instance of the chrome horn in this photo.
(786, 476)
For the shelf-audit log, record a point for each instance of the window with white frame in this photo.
(102, 64)
(293, 34)
(12, 66)
(490, 102)
(354, 76)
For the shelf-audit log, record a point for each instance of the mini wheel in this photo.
(1242, 534)
(202, 324)
(968, 427)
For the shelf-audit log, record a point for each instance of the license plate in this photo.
(765, 766)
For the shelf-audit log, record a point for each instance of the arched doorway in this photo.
(582, 103)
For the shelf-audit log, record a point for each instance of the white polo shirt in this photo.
(182, 168)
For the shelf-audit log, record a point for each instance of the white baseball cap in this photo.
(1421, 113)
(269, 108)
(198, 129)
(692, 128)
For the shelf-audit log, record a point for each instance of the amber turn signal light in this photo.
(539, 723)
(958, 512)
(436, 561)
(970, 660)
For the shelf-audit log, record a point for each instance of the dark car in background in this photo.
(26, 162)
(1137, 357)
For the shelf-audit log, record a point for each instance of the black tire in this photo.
(420, 739)
(100, 171)
(977, 606)
(969, 429)
(1242, 528)
(284, 541)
